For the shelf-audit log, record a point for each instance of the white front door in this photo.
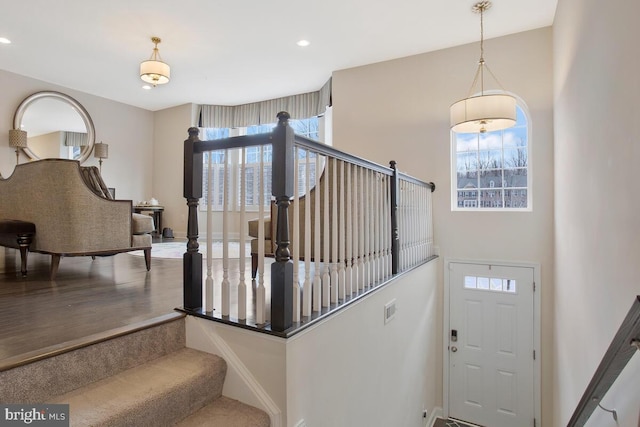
(491, 344)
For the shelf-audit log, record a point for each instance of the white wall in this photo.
(349, 370)
(128, 131)
(597, 154)
(256, 363)
(400, 110)
(353, 370)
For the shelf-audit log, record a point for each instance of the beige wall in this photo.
(400, 110)
(48, 145)
(597, 243)
(170, 129)
(128, 131)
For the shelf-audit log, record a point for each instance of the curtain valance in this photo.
(75, 139)
(299, 106)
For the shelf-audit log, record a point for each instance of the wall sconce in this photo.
(17, 139)
(101, 151)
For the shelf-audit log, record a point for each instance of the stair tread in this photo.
(148, 385)
(226, 412)
(91, 360)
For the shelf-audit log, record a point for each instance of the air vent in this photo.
(389, 311)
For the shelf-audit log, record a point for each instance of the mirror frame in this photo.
(91, 131)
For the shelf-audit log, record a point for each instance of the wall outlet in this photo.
(389, 311)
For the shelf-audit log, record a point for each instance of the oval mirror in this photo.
(57, 126)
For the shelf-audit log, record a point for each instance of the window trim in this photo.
(454, 169)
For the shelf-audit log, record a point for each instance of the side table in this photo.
(157, 215)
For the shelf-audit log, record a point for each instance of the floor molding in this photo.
(437, 412)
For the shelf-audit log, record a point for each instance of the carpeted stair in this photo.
(142, 378)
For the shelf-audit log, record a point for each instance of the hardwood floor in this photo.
(88, 297)
(91, 299)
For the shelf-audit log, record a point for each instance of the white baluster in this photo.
(242, 286)
(416, 221)
(306, 292)
(402, 237)
(367, 227)
(423, 223)
(361, 229)
(430, 222)
(317, 281)
(334, 231)
(349, 228)
(260, 290)
(387, 210)
(208, 290)
(295, 243)
(341, 237)
(225, 291)
(326, 235)
(378, 234)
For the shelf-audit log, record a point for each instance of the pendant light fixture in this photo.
(153, 70)
(484, 112)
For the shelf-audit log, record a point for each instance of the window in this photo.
(490, 284)
(306, 127)
(496, 165)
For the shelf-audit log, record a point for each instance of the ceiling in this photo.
(238, 51)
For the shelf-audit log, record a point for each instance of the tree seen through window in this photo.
(492, 168)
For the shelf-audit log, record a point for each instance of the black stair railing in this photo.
(283, 140)
(622, 348)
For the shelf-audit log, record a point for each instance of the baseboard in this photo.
(437, 412)
(236, 368)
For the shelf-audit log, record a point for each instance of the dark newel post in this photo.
(282, 189)
(192, 259)
(395, 237)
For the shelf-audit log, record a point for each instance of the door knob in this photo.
(454, 348)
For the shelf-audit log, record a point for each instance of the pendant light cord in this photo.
(480, 8)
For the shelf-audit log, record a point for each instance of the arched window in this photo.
(500, 161)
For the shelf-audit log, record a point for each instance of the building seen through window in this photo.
(308, 128)
(492, 169)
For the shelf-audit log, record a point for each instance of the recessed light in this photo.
(4, 40)
(146, 87)
(303, 43)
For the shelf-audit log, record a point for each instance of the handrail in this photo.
(622, 348)
(233, 142)
(329, 151)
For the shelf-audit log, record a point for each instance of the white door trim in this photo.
(536, 329)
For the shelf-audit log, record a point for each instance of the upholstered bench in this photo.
(19, 235)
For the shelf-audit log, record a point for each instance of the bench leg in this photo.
(55, 263)
(24, 241)
(254, 265)
(147, 258)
